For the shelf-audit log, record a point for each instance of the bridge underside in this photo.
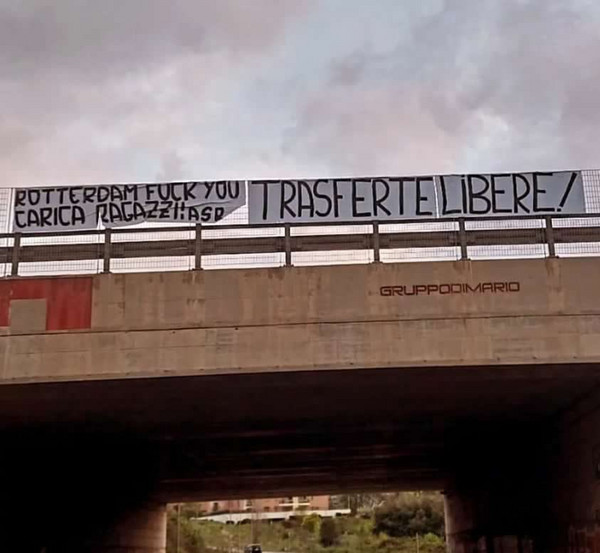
(207, 437)
(110, 453)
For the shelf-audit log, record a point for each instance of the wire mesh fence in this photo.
(234, 244)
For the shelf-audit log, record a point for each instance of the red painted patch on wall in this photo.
(69, 300)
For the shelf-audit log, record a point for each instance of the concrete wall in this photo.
(154, 324)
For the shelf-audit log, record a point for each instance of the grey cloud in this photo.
(479, 85)
(92, 38)
(122, 90)
(350, 70)
(113, 89)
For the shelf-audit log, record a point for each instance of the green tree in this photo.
(410, 514)
(358, 502)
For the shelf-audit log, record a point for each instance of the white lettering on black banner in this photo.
(396, 198)
(82, 207)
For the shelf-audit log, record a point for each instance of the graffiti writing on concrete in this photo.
(451, 288)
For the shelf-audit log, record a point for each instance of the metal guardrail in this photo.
(106, 246)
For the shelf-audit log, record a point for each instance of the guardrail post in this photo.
(198, 248)
(107, 248)
(549, 233)
(376, 243)
(288, 245)
(462, 237)
(16, 254)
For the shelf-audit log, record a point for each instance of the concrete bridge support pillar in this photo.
(79, 495)
(495, 502)
(77, 528)
(574, 503)
(141, 530)
(488, 523)
(539, 493)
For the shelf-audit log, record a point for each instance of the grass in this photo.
(354, 535)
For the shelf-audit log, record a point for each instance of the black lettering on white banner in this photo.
(78, 207)
(397, 198)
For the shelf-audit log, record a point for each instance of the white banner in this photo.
(287, 201)
(510, 194)
(63, 208)
(397, 198)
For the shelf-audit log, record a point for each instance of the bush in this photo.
(187, 532)
(427, 544)
(311, 523)
(328, 535)
(431, 543)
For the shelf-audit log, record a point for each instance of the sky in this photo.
(154, 90)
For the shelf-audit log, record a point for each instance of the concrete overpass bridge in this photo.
(121, 392)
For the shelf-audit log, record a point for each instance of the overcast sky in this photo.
(98, 91)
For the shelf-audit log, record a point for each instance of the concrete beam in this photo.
(314, 318)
